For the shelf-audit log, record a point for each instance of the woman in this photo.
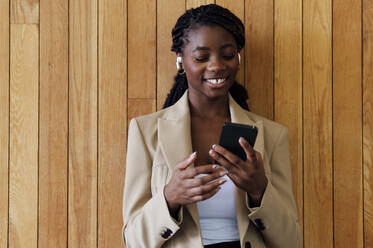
(174, 197)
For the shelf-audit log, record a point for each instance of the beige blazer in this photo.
(158, 141)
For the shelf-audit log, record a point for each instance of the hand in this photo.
(183, 188)
(248, 175)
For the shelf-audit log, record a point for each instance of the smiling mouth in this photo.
(216, 81)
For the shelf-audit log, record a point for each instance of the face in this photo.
(210, 60)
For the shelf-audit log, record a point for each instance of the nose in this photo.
(216, 65)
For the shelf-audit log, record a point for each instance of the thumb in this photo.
(246, 147)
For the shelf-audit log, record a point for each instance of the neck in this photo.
(202, 107)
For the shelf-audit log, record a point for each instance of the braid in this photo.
(205, 15)
(239, 94)
(177, 91)
(210, 15)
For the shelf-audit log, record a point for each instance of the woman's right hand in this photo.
(185, 188)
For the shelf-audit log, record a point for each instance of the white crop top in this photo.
(217, 216)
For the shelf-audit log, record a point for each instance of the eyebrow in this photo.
(206, 48)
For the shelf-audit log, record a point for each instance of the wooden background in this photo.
(72, 73)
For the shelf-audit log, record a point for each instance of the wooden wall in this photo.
(72, 73)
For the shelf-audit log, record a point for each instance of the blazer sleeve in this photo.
(276, 217)
(147, 221)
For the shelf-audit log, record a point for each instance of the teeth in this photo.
(216, 81)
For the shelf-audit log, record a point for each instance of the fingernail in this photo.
(241, 139)
(211, 152)
(222, 181)
(193, 154)
(215, 166)
(223, 173)
(213, 146)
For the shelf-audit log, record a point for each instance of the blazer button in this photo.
(259, 224)
(247, 244)
(166, 233)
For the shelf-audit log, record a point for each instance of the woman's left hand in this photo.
(248, 175)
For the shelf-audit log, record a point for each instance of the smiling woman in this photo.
(210, 60)
(211, 197)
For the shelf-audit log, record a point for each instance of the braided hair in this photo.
(205, 15)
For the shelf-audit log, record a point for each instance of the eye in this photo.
(202, 59)
(229, 57)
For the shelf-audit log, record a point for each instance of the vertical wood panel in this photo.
(112, 120)
(167, 14)
(98, 145)
(288, 86)
(4, 121)
(317, 81)
(137, 107)
(347, 124)
(141, 49)
(24, 11)
(368, 120)
(23, 185)
(195, 3)
(237, 7)
(259, 56)
(82, 187)
(53, 124)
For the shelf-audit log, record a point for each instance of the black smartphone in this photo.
(230, 134)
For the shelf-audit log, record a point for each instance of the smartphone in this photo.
(230, 134)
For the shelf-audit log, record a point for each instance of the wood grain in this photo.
(24, 11)
(112, 120)
(81, 124)
(53, 131)
(237, 7)
(288, 87)
(137, 107)
(142, 49)
(368, 121)
(347, 124)
(23, 180)
(82, 186)
(259, 56)
(195, 3)
(317, 112)
(4, 121)
(167, 14)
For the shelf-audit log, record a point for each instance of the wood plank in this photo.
(53, 160)
(347, 124)
(259, 56)
(112, 120)
(137, 107)
(237, 7)
(24, 11)
(142, 49)
(167, 14)
(317, 112)
(288, 87)
(23, 180)
(4, 121)
(368, 120)
(82, 186)
(195, 3)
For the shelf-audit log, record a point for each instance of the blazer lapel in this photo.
(238, 115)
(174, 135)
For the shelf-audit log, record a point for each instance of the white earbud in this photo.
(178, 63)
(239, 59)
